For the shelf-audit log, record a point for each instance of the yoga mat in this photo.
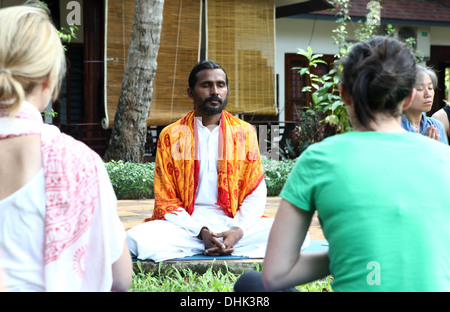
(314, 246)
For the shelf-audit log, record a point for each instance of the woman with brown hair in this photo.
(386, 227)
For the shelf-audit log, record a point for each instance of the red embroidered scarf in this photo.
(73, 204)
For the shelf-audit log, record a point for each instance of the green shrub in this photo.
(135, 181)
(131, 180)
(276, 174)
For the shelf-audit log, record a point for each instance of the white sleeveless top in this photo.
(22, 216)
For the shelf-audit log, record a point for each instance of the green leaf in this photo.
(303, 71)
(336, 105)
(327, 85)
(315, 61)
(311, 112)
(316, 99)
(332, 119)
(303, 52)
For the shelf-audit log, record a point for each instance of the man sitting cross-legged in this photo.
(210, 192)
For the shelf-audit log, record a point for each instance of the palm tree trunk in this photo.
(129, 131)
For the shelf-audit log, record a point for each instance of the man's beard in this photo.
(210, 111)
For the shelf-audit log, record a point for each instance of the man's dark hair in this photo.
(202, 65)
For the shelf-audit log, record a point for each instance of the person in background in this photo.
(386, 230)
(414, 119)
(58, 214)
(443, 115)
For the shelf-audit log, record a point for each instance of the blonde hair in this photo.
(30, 52)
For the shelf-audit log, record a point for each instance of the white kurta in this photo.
(176, 237)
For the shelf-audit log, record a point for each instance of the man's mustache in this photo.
(213, 98)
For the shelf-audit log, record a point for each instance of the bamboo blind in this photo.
(178, 53)
(241, 39)
(119, 19)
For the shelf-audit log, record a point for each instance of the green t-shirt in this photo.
(384, 205)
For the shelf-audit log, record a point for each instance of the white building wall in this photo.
(293, 34)
(439, 36)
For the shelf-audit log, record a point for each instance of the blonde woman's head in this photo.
(30, 54)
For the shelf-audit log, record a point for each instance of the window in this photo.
(295, 98)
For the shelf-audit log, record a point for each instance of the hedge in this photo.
(135, 181)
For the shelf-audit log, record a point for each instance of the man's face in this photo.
(210, 93)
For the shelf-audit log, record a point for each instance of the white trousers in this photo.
(161, 240)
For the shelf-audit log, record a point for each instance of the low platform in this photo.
(202, 263)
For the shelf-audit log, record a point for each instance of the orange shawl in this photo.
(177, 165)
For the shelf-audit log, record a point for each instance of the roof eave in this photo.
(302, 8)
